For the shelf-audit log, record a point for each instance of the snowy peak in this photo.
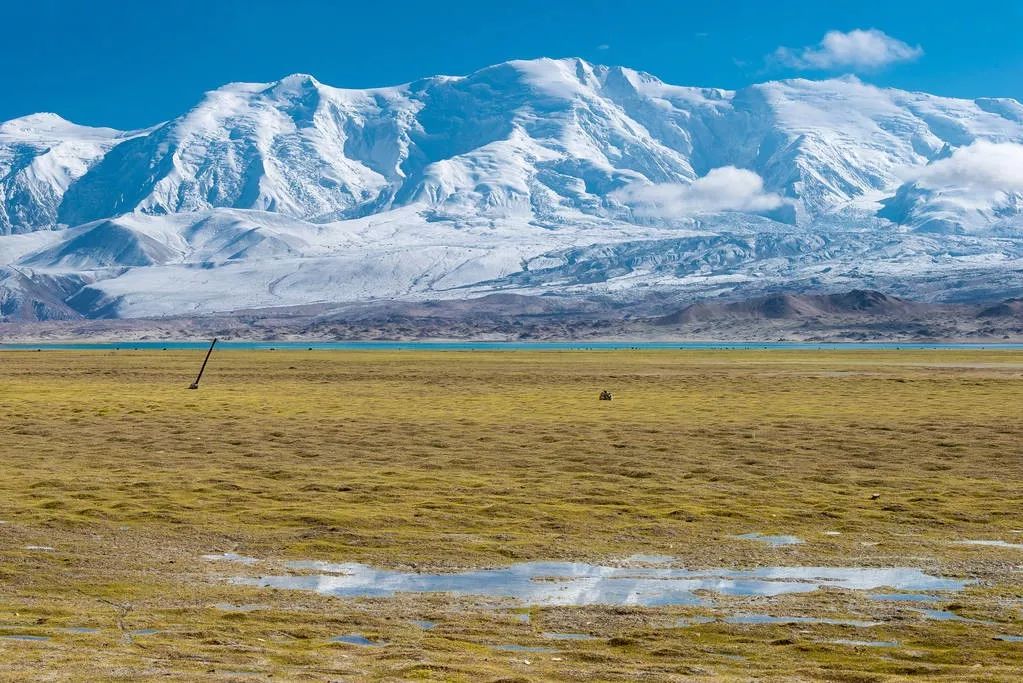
(528, 177)
(285, 147)
(40, 157)
(549, 140)
(294, 83)
(827, 143)
(51, 128)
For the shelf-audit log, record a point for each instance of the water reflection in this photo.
(576, 583)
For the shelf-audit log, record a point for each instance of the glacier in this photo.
(537, 177)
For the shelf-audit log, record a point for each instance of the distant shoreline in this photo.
(507, 346)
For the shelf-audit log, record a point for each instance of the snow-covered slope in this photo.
(294, 147)
(40, 157)
(533, 176)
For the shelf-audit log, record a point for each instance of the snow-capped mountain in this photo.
(41, 156)
(530, 176)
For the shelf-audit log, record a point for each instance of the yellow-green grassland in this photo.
(115, 480)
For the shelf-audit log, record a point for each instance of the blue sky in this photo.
(131, 64)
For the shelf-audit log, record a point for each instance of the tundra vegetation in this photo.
(117, 480)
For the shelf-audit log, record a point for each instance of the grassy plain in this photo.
(446, 460)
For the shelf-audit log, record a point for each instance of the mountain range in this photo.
(546, 178)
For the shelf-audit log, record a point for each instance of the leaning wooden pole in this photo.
(195, 384)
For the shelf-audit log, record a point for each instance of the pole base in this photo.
(193, 385)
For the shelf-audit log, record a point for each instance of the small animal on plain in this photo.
(606, 395)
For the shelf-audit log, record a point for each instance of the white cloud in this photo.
(982, 167)
(864, 49)
(723, 189)
(603, 46)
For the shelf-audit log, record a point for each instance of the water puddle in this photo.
(994, 544)
(28, 638)
(144, 632)
(775, 541)
(945, 616)
(357, 639)
(54, 629)
(942, 615)
(230, 557)
(769, 619)
(424, 624)
(865, 643)
(552, 635)
(1010, 639)
(574, 583)
(903, 597)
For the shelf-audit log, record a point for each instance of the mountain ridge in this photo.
(525, 176)
(297, 108)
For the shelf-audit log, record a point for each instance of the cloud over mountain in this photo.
(983, 166)
(859, 49)
(723, 189)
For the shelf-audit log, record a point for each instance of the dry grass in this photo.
(476, 459)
